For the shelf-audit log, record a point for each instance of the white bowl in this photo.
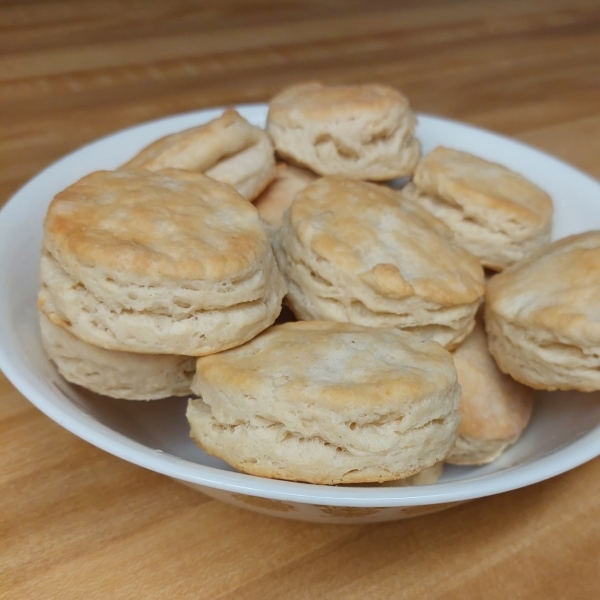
(564, 431)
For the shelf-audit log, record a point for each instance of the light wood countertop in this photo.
(78, 523)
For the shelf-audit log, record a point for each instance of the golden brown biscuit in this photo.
(494, 213)
(124, 375)
(360, 131)
(543, 317)
(327, 403)
(278, 197)
(495, 409)
(227, 149)
(355, 252)
(166, 262)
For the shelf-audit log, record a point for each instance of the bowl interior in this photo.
(564, 430)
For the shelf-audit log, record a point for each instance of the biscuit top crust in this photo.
(465, 180)
(165, 225)
(372, 233)
(556, 289)
(198, 148)
(493, 405)
(339, 366)
(314, 102)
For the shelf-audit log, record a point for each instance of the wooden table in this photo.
(78, 523)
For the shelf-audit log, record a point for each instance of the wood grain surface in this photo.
(78, 523)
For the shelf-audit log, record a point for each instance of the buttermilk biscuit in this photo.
(543, 316)
(495, 213)
(354, 251)
(361, 131)
(495, 409)
(276, 199)
(227, 149)
(327, 403)
(170, 262)
(123, 375)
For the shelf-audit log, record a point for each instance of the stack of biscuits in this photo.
(422, 296)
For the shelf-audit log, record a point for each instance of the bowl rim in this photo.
(84, 426)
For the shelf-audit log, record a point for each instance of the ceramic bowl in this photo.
(564, 430)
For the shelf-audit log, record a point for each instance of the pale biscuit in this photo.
(123, 375)
(360, 131)
(167, 262)
(278, 197)
(228, 149)
(327, 403)
(354, 251)
(542, 316)
(495, 213)
(495, 409)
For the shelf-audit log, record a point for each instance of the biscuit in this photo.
(166, 262)
(495, 409)
(360, 131)
(543, 317)
(123, 375)
(327, 403)
(495, 213)
(278, 197)
(355, 252)
(227, 149)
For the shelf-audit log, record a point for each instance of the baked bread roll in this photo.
(494, 213)
(355, 252)
(360, 131)
(228, 149)
(124, 375)
(166, 262)
(327, 403)
(495, 409)
(543, 317)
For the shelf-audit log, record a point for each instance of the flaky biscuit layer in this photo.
(123, 375)
(194, 333)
